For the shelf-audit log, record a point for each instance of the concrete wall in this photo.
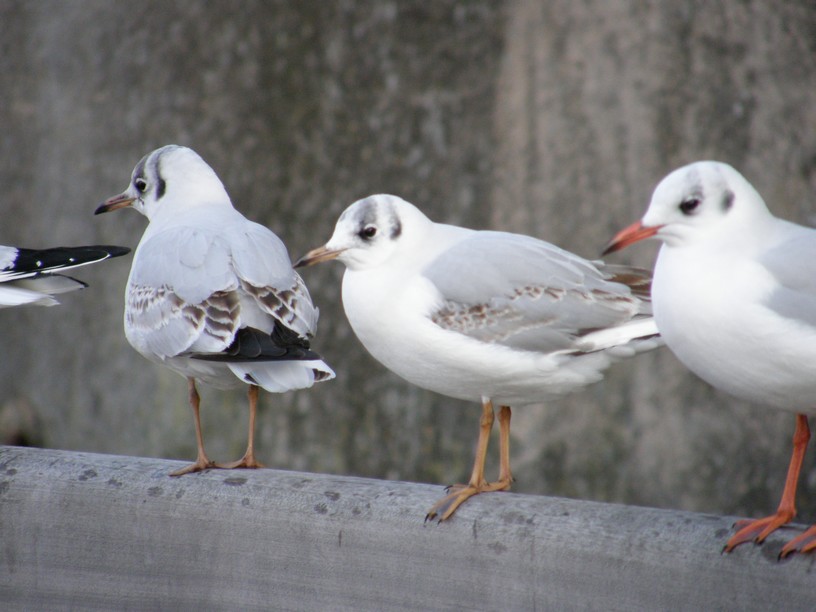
(102, 532)
(554, 118)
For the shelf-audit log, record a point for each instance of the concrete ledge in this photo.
(86, 531)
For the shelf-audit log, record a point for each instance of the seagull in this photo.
(33, 276)
(486, 316)
(212, 295)
(735, 299)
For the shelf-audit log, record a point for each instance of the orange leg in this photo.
(759, 529)
(202, 462)
(505, 475)
(805, 542)
(248, 460)
(446, 506)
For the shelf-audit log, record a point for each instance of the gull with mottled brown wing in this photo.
(212, 295)
(491, 317)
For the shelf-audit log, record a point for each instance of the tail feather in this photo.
(636, 336)
(281, 376)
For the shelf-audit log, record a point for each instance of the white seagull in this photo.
(33, 276)
(481, 315)
(735, 299)
(212, 295)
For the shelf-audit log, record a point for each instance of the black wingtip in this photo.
(114, 251)
(35, 261)
(251, 344)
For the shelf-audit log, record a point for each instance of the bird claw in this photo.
(803, 543)
(244, 463)
(445, 507)
(458, 494)
(199, 466)
(756, 530)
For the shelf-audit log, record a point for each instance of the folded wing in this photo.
(235, 299)
(525, 293)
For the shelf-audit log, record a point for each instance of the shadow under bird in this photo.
(34, 276)
(735, 299)
(485, 316)
(212, 295)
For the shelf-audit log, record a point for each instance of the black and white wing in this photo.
(32, 276)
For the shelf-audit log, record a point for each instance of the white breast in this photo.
(711, 311)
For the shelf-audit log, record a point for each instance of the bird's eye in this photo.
(140, 184)
(689, 205)
(368, 232)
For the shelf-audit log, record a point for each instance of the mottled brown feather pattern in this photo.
(280, 303)
(467, 317)
(639, 281)
(217, 316)
(222, 311)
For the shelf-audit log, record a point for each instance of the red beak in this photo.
(629, 235)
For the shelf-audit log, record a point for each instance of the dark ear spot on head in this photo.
(396, 229)
(161, 186)
(728, 200)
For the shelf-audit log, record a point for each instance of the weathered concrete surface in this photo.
(552, 118)
(86, 531)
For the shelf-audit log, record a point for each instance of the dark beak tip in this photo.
(115, 203)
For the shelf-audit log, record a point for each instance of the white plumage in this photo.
(481, 315)
(211, 294)
(735, 299)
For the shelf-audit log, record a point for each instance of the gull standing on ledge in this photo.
(29, 276)
(481, 315)
(735, 300)
(212, 295)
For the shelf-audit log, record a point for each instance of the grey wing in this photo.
(525, 293)
(265, 273)
(181, 295)
(791, 263)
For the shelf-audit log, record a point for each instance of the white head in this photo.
(706, 200)
(370, 232)
(169, 178)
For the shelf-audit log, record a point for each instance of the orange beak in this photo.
(315, 256)
(629, 235)
(114, 203)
